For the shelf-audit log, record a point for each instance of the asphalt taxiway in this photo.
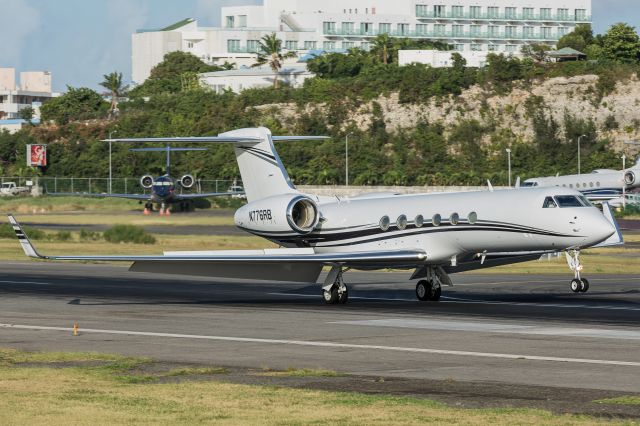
(501, 329)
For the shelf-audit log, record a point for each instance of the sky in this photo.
(81, 40)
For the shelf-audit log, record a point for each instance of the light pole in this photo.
(624, 184)
(346, 158)
(579, 137)
(509, 164)
(110, 173)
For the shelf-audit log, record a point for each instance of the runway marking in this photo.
(24, 282)
(486, 327)
(479, 302)
(332, 345)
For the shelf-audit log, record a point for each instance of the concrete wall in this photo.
(7, 79)
(35, 81)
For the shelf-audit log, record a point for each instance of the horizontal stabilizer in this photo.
(299, 138)
(189, 139)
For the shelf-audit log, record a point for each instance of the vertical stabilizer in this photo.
(262, 171)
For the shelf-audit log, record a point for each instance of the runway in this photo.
(497, 329)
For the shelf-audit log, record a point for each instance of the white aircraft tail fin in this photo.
(517, 186)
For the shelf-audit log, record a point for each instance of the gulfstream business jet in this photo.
(434, 235)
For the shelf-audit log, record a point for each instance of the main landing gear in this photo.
(334, 290)
(578, 284)
(431, 288)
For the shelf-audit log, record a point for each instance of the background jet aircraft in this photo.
(434, 235)
(599, 185)
(162, 188)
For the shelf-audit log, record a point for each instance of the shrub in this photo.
(128, 234)
(89, 235)
(62, 236)
(6, 231)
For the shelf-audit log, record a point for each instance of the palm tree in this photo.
(270, 52)
(382, 46)
(113, 83)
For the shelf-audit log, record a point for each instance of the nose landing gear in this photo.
(578, 284)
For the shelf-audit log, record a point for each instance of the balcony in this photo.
(456, 35)
(503, 17)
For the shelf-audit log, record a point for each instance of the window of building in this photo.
(229, 21)
(291, 45)
(527, 12)
(510, 31)
(458, 47)
(346, 45)
(365, 45)
(366, 28)
(493, 30)
(384, 28)
(510, 12)
(329, 45)
(233, 45)
(310, 45)
(475, 30)
(242, 21)
(527, 32)
(347, 27)
(493, 12)
(328, 27)
(475, 47)
(421, 29)
(563, 14)
(422, 10)
(511, 48)
(545, 13)
(457, 11)
(252, 45)
(475, 12)
(581, 15)
(439, 11)
(190, 45)
(438, 29)
(562, 31)
(458, 30)
(492, 48)
(403, 29)
(545, 32)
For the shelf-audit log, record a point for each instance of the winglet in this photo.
(489, 185)
(616, 238)
(29, 250)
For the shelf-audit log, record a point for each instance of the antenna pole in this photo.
(168, 159)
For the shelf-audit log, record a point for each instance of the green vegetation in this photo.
(301, 372)
(465, 153)
(622, 400)
(128, 234)
(270, 53)
(80, 388)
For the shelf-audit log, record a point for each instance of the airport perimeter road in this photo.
(525, 330)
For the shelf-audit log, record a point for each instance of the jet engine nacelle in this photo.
(630, 178)
(146, 181)
(187, 181)
(278, 214)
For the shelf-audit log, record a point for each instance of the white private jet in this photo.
(432, 234)
(599, 185)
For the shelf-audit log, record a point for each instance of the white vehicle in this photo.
(599, 185)
(11, 189)
(434, 235)
(237, 191)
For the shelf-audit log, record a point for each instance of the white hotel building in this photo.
(336, 25)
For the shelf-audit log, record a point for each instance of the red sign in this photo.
(36, 155)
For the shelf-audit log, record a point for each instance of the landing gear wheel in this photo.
(343, 297)
(584, 285)
(423, 290)
(330, 297)
(576, 285)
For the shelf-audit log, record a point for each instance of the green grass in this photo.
(38, 388)
(301, 372)
(622, 400)
(128, 234)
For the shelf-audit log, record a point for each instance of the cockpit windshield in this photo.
(565, 201)
(529, 184)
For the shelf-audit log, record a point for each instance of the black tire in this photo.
(575, 285)
(330, 297)
(584, 285)
(343, 297)
(423, 290)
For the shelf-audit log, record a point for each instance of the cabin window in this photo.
(577, 185)
(598, 184)
(436, 219)
(570, 185)
(384, 223)
(419, 221)
(473, 217)
(401, 222)
(568, 201)
(591, 184)
(454, 218)
(549, 203)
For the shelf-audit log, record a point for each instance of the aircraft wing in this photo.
(140, 197)
(299, 265)
(204, 195)
(476, 261)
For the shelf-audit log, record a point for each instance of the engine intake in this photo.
(630, 178)
(187, 181)
(302, 214)
(146, 181)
